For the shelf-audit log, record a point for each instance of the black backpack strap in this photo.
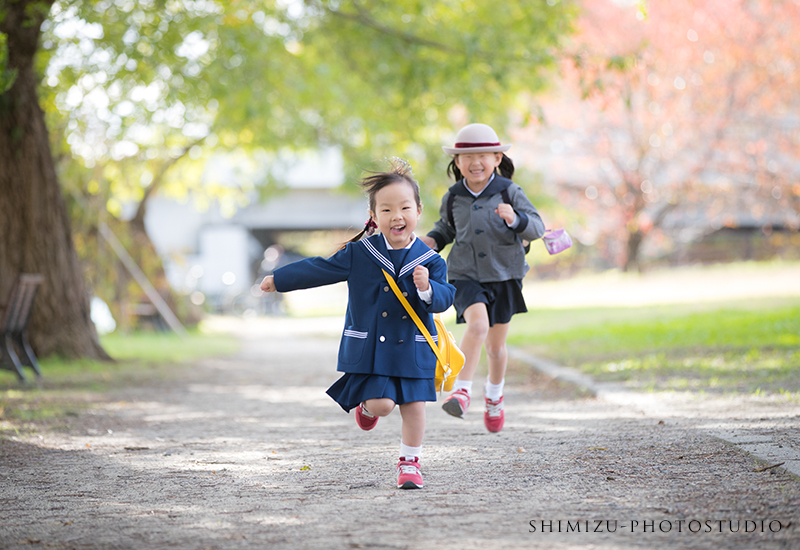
(450, 198)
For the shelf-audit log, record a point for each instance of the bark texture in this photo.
(35, 235)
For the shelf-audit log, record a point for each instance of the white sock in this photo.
(493, 391)
(463, 385)
(410, 452)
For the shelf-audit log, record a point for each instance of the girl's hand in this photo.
(421, 278)
(429, 241)
(506, 211)
(268, 284)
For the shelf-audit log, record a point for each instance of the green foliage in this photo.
(132, 352)
(142, 358)
(7, 75)
(745, 348)
(168, 347)
(375, 78)
(142, 96)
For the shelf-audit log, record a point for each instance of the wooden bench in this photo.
(15, 350)
(145, 314)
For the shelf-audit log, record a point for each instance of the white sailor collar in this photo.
(378, 249)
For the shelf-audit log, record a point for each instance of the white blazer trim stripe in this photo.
(355, 334)
(415, 262)
(421, 338)
(381, 258)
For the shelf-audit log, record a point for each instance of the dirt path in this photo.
(249, 452)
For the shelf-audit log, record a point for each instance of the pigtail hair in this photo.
(506, 167)
(354, 239)
(452, 170)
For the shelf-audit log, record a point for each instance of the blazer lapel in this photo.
(377, 251)
(418, 255)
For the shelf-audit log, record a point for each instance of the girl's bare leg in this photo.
(379, 407)
(477, 319)
(413, 423)
(497, 352)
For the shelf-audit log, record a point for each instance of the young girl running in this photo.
(386, 361)
(487, 217)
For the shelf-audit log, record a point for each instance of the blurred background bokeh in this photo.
(217, 141)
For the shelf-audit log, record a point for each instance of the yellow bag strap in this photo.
(414, 316)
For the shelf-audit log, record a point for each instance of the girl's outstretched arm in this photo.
(430, 241)
(314, 272)
(268, 284)
(442, 233)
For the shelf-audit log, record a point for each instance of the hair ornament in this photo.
(400, 166)
(370, 227)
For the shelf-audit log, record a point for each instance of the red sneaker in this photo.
(408, 474)
(494, 416)
(365, 422)
(457, 404)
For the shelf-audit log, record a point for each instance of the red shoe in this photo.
(494, 416)
(365, 422)
(408, 474)
(457, 404)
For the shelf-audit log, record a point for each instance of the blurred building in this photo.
(218, 259)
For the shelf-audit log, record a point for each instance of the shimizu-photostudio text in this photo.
(656, 526)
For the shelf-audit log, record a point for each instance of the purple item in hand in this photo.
(556, 240)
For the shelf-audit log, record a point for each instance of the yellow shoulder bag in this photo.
(450, 359)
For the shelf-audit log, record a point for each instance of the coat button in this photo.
(405, 316)
(384, 314)
(405, 293)
(481, 255)
(383, 338)
(386, 289)
(399, 341)
(478, 231)
(476, 207)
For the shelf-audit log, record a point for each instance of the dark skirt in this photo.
(352, 389)
(502, 299)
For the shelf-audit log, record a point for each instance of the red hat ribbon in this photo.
(466, 145)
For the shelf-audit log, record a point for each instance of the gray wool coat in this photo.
(485, 248)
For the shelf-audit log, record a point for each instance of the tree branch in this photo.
(137, 222)
(364, 18)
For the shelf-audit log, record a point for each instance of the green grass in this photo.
(740, 347)
(68, 386)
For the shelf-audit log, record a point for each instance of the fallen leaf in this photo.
(306, 468)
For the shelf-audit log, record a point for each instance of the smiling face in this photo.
(396, 213)
(477, 168)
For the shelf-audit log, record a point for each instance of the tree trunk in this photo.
(35, 235)
(632, 251)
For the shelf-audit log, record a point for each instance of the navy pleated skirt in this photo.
(503, 299)
(352, 389)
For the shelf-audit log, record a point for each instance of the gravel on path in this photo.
(249, 452)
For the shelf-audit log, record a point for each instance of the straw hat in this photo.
(477, 138)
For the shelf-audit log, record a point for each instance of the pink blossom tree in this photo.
(690, 107)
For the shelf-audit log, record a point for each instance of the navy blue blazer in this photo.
(379, 337)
